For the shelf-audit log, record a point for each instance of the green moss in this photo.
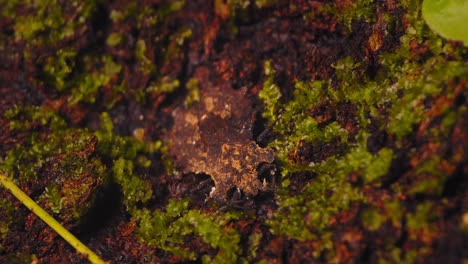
(58, 156)
(429, 178)
(168, 230)
(213, 231)
(165, 85)
(265, 3)
(379, 165)
(329, 193)
(162, 229)
(417, 83)
(372, 219)
(25, 160)
(145, 64)
(134, 189)
(239, 4)
(59, 68)
(422, 218)
(270, 94)
(393, 100)
(6, 211)
(87, 88)
(419, 79)
(294, 225)
(309, 211)
(9, 7)
(424, 215)
(181, 36)
(71, 197)
(395, 212)
(50, 21)
(115, 146)
(305, 129)
(244, 4)
(23, 118)
(193, 92)
(397, 255)
(254, 243)
(176, 43)
(127, 154)
(82, 78)
(52, 193)
(356, 86)
(90, 75)
(146, 16)
(306, 215)
(349, 12)
(448, 120)
(114, 39)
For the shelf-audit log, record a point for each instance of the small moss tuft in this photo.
(168, 230)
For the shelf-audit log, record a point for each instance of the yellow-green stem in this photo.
(36, 209)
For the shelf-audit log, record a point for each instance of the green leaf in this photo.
(449, 18)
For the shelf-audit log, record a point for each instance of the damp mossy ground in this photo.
(364, 156)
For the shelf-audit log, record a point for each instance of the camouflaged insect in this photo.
(214, 136)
